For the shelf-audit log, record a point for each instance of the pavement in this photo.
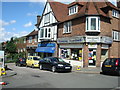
(87, 70)
(9, 72)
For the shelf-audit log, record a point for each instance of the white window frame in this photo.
(116, 35)
(30, 39)
(44, 33)
(35, 39)
(74, 8)
(88, 24)
(41, 33)
(115, 13)
(67, 27)
(25, 40)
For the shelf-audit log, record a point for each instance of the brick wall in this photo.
(78, 28)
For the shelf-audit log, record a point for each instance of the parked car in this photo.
(54, 64)
(21, 62)
(111, 66)
(32, 61)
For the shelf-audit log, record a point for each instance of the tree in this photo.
(10, 48)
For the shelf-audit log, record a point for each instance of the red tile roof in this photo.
(60, 10)
(32, 33)
(89, 7)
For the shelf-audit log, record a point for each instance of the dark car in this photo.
(21, 62)
(111, 66)
(54, 64)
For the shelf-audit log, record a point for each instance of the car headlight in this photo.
(35, 63)
(60, 65)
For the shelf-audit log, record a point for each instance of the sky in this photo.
(18, 17)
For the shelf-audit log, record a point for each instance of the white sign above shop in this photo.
(93, 39)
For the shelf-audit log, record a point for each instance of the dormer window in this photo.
(73, 9)
(115, 13)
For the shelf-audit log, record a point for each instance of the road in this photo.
(35, 78)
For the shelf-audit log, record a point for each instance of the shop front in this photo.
(88, 51)
(46, 49)
(71, 50)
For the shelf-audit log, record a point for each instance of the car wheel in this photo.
(26, 65)
(41, 67)
(16, 64)
(19, 65)
(53, 68)
(32, 66)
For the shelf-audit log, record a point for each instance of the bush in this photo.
(10, 61)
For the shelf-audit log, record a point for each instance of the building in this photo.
(118, 5)
(89, 33)
(53, 14)
(21, 45)
(32, 43)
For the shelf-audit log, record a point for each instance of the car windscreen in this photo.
(57, 60)
(36, 58)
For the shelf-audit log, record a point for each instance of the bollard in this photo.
(2, 71)
(78, 68)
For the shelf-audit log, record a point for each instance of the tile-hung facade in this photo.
(47, 35)
(89, 33)
(21, 45)
(31, 43)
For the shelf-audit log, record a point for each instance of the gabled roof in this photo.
(89, 7)
(34, 32)
(60, 10)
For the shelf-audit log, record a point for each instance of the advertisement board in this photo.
(2, 59)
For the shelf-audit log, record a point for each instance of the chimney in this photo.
(38, 19)
(118, 4)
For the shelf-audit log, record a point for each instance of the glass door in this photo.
(92, 57)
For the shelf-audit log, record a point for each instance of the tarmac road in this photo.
(35, 78)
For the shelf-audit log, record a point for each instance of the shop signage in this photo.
(71, 46)
(92, 45)
(46, 45)
(71, 40)
(105, 46)
(106, 40)
(93, 39)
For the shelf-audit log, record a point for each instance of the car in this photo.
(32, 61)
(111, 66)
(20, 62)
(54, 64)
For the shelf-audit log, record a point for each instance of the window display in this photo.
(73, 54)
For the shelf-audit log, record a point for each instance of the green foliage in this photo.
(10, 47)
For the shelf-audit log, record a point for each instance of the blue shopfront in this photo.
(46, 49)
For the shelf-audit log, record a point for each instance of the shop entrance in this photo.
(92, 57)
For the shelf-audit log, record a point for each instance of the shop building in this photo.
(89, 33)
(21, 45)
(32, 43)
(47, 35)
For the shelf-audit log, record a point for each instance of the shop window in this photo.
(92, 57)
(72, 54)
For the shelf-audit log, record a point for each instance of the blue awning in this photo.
(45, 49)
